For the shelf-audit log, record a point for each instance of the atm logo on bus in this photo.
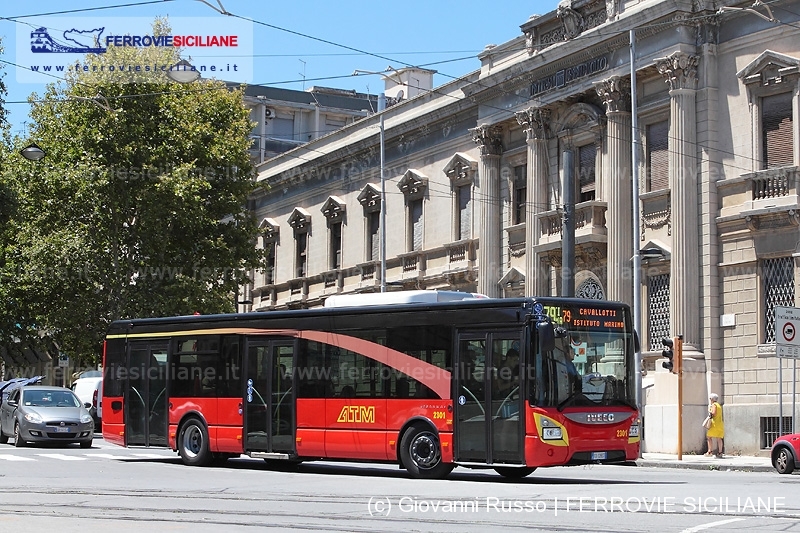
(357, 413)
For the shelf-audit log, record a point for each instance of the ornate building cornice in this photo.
(615, 93)
(535, 121)
(679, 70)
(488, 138)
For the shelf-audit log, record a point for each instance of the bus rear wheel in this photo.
(421, 453)
(513, 473)
(193, 443)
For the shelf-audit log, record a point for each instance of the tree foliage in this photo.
(139, 208)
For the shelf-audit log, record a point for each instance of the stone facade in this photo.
(473, 195)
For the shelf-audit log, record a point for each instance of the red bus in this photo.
(505, 384)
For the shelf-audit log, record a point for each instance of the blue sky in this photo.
(440, 35)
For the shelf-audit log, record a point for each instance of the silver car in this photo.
(45, 414)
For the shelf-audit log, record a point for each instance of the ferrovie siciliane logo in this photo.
(93, 41)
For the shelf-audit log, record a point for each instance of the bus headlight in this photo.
(634, 431)
(550, 431)
(551, 434)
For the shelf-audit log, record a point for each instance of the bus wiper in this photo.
(570, 400)
(626, 403)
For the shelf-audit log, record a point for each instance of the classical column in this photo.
(489, 139)
(615, 92)
(680, 72)
(535, 121)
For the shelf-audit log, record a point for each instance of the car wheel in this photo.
(3, 436)
(513, 473)
(86, 444)
(19, 442)
(784, 462)
(421, 453)
(193, 443)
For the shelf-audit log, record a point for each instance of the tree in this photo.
(139, 208)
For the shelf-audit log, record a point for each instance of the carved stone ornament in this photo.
(572, 20)
(611, 10)
(535, 120)
(615, 93)
(679, 70)
(488, 138)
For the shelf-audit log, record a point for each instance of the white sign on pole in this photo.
(787, 338)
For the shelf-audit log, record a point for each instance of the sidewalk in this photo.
(747, 463)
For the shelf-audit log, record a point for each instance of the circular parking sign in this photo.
(789, 331)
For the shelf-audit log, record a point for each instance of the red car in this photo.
(785, 453)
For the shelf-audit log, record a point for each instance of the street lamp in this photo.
(183, 72)
(32, 152)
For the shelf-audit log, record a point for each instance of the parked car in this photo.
(90, 391)
(785, 453)
(37, 413)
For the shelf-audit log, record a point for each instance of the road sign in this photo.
(787, 340)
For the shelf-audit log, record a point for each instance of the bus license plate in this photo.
(66, 430)
(599, 456)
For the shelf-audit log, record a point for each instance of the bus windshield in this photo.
(591, 364)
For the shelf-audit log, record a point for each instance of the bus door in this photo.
(488, 401)
(146, 394)
(269, 396)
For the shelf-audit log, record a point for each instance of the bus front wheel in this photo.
(193, 443)
(421, 453)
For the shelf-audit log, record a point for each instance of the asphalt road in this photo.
(107, 488)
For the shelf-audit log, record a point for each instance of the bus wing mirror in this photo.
(547, 337)
(637, 346)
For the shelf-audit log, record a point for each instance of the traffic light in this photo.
(669, 353)
(673, 351)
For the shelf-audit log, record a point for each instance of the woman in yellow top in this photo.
(716, 432)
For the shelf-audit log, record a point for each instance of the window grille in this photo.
(770, 430)
(301, 259)
(658, 307)
(520, 193)
(658, 156)
(415, 225)
(336, 244)
(778, 279)
(776, 124)
(373, 239)
(464, 206)
(586, 175)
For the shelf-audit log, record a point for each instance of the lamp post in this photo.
(637, 260)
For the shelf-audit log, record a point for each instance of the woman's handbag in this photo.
(707, 422)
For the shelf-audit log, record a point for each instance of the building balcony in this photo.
(590, 224)
(761, 196)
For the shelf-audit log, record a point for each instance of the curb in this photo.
(721, 466)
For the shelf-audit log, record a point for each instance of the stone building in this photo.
(474, 192)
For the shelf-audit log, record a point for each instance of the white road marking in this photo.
(15, 458)
(150, 455)
(711, 525)
(106, 456)
(61, 456)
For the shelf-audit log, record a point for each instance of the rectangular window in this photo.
(415, 225)
(778, 284)
(336, 245)
(657, 140)
(269, 271)
(776, 125)
(194, 367)
(587, 155)
(283, 128)
(373, 237)
(658, 310)
(464, 221)
(301, 244)
(520, 193)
